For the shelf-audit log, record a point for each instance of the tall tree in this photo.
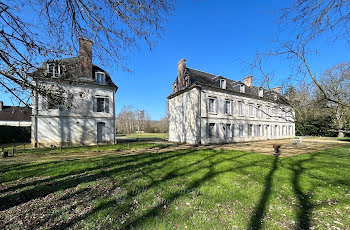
(33, 31)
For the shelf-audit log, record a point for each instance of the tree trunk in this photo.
(340, 133)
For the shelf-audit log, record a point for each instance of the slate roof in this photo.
(210, 80)
(70, 71)
(15, 113)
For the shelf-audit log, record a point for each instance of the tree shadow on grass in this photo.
(256, 219)
(170, 197)
(70, 180)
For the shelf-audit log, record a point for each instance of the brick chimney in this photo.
(1, 105)
(85, 57)
(277, 89)
(181, 68)
(248, 81)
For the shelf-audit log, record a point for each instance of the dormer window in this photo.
(187, 81)
(100, 78)
(242, 88)
(53, 69)
(223, 83)
(261, 92)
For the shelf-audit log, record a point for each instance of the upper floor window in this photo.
(242, 88)
(240, 108)
(53, 69)
(212, 105)
(223, 83)
(102, 104)
(100, 78)
(251, 110)
(187, 81)
(228, 108)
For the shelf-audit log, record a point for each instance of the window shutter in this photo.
(207, 104)
(207, 129)
(232, 107)
(107, 105)
(217, 130)
(94, 104)
(217, 105)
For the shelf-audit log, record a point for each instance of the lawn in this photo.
(188, 188)
(147, 135)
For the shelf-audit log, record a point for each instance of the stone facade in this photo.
(207, 113)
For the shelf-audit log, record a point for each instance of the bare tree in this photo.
(312, 18)
(33, 31)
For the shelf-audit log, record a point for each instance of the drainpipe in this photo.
(114, 139)
(200, 115)
(36, 116)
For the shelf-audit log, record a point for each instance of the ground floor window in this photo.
(250, 130)
(240, 127)
(211, 130)
(227, 130)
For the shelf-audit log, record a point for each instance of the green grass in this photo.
(191, 188)
(147, 135)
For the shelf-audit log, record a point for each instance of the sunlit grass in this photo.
(191, 188)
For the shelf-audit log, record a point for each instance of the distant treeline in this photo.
(131, 120)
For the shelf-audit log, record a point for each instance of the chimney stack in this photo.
(1, 105)
(85, 57)
(277, 90)
(248, 81)
(181, 68)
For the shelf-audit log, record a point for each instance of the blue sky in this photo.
(213, 36)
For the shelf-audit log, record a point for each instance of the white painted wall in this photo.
(188, 124)
(77, 125)
(183, 117)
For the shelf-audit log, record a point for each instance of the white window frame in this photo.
(213, 110)
(223, 83)
(242, 88)
(98, 81)
(228, 107)
(240, 108)
(251, 110)
(54, 69)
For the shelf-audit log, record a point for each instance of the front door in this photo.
(100, 132)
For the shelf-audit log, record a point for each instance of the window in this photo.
(240, 108)
(261, 92)
(233, 130)
(227, 130)
(251, 110)
(275, 131)
(250, 130)
(242, 89)
(262, 130)
(240, 127)
(102, 104)
(222, 83)
(268, 112)
(100, 78)
(187, 81)
(211, 129)
(258, 111)
(53, 69)
(228, 107)
(211, 108)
